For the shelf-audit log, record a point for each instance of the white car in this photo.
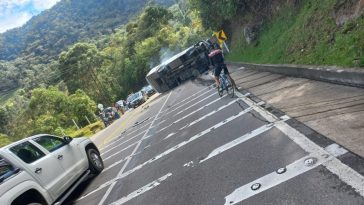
(45, 169)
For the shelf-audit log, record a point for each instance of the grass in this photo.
(305, 36)
(88, 131)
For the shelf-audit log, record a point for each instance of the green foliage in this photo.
(89, 130)
(215, 12)
(49, 111)
(78, 67)
(306, 36)
(47, 34)
(106, 70)
(4, 140)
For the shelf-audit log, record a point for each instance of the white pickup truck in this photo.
(45, 169)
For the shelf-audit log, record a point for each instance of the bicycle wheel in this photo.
(230, 88)
(220, 91)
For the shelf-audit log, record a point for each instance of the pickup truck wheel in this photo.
(96, 164)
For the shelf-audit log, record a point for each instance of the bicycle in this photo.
(225, 84)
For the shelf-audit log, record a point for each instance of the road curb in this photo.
(344, 76)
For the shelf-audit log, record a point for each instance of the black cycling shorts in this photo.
(219, 68)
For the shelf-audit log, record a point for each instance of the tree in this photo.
(78, 67)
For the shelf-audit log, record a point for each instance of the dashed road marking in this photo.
(193, 112)
(110, 149)
(170, 135)
(194, 104)
(273, 179)
(170, 111)
(134, 151)
(127, 134)
(141, 190)
(200, 91)
(165, 153)
(238, 141)
(213, 112)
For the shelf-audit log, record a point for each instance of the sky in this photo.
(15, 13)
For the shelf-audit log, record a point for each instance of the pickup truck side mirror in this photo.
(67, 139)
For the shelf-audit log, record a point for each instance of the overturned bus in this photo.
(181, 67)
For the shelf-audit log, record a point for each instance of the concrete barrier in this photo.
(344, 76)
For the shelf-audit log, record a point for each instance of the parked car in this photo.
(44, 169)
(136, 99)
(148, 90)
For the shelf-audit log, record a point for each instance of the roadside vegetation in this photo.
(45, 93)
(308, 34)
(92, 71)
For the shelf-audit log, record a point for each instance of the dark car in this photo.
(148, 90)
(136, 99)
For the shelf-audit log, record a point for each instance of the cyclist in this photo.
(217, 60)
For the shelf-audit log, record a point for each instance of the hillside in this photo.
(327, 32)
(69, 21)
(311, 32)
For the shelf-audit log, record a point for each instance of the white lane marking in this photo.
(115, 163)
(285, 117)
(107, 193)
(191, 113)
(183, 127)
(120, 151)
(336, 150)
(213, 112)
(189, 102)
(238, 141)
(273, 179)
(188, 98)
(138, 129)
(111, 143)
(142, 190)
(344, 172)
(131, 145)
(109, 150)
(165, 153)
(195, 104)
(347, 175)
(121, 161)
(170, 135)
(267, 115)
(159, 123)
(164, 128)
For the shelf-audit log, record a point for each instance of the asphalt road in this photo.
(192, 147)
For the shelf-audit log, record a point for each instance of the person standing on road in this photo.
(217, 60)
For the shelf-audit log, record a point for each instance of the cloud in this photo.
(14, 13)
(14, 21)
(44, 4)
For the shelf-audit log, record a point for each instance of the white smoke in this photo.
(165, 54)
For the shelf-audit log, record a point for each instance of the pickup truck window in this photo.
(27, 152)
(6, 170)
(50, 143)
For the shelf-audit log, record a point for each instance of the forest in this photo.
(92, 71)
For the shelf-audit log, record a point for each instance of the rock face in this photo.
(347, 10)
(251, 31)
